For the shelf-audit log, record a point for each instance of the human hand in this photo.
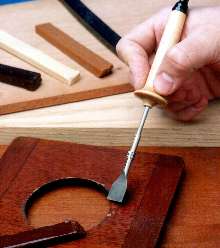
(190, 74)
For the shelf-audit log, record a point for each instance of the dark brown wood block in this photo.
(30, 163)
(44, 236)
(28, 80)
(72, 48)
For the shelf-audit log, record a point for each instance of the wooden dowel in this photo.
(38, 59)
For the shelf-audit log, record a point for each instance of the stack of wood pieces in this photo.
(102, 79)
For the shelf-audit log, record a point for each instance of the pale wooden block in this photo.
(38, 59)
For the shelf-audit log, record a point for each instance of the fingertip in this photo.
(164, 84)
(137, 81)
(136, 58)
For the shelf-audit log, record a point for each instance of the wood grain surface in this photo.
(195, 221)
(41, 166)
(156, 200)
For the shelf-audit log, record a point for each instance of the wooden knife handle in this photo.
(171, 36)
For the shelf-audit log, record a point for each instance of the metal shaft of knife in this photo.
(132, 151)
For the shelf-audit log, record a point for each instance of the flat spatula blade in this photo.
(118, 188)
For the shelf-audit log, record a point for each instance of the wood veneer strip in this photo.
(38, 59)
(72, 48)
(44, 236)
(150, 217)
(28, 80)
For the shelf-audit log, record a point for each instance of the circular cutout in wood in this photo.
(65, 199)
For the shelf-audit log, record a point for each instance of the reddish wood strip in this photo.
(72, 48)
(147, 224)
(44, 236)
(84, 94)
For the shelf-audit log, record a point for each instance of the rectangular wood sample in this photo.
(72, 48)
(38, 58)
(52, 92)
(135, 223)
(28, 80)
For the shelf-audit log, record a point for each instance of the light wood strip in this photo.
(37, 58)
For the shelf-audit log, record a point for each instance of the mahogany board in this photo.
(195, 221)
(29, 164)
(53, 92)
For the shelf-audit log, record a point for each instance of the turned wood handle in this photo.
(171, 36)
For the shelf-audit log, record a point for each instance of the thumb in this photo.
(180, 61)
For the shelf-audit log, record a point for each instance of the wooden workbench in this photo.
(111, 120)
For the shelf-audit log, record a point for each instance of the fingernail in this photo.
(164, 84)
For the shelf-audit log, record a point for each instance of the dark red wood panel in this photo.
(38, 162)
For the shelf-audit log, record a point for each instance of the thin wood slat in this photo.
(98, 165)
(72, 48)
